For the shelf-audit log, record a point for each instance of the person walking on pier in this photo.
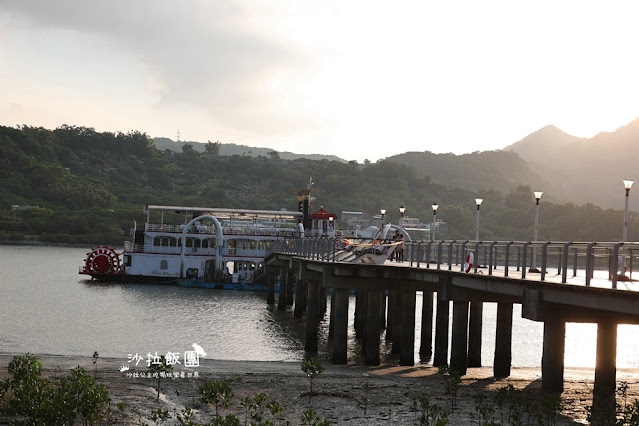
(400, 248)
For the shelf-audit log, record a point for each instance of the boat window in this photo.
(252, 244)
(156, 241)
(196, 243)
(164, 264)
(165, 242)
(260, 245)
(173, 242)
(205, 243)
(232, 244)
(189, 242)
(244, 244)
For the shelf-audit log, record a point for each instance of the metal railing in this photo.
(512, 258)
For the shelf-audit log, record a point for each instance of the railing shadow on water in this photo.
(513, 259)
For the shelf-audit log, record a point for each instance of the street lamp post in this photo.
(402, 209)
(627, 184)
(432, 233)
(533, 266)
(478, 201)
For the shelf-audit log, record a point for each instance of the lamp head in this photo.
(435, 206)
(383, 211)
(628, 184)
(478, 201)
(538, 194)
(402, 209)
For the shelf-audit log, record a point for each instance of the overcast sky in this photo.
(358, 79)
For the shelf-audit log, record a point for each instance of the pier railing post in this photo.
(615, 264)
(439, 254)
(490, 258)
(450, 255)
(544, 260)
(476, 266)
(564, 270)
(507, 257)
(590, 263)
(524, 256)
(428, 250)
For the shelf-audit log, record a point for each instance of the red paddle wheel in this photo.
(102, 260)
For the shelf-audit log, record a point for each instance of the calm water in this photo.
(46, 307)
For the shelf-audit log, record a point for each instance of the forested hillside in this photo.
(501, 171)
(78, 185)
(585, 170)
(233, 149)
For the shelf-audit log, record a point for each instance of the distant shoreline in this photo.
(42, 243)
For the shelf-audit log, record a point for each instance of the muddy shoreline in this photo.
(346, 394)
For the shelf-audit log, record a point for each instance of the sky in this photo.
(360, 79)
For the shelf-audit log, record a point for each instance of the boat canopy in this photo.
(230, 213)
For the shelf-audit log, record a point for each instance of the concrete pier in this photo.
(474, 333)
(393, 289)
(407, 326)
(426, 346)
(312, 317)
(281, 302)
(270, 295)
(503, 340)
(606, 367)
(340, 330)
(298, 311)
(441, 324)
(459, 340)
(552, 361)
(371, 351)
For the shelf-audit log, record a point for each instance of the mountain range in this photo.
(566, 167)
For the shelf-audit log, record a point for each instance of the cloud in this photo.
(203, 55)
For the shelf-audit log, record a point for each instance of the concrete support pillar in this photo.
(290, 286)
(426, 346)
(360, 312)
(441, 333)
(270, 296)
(398, 318)
(606, 368)
(298, 312)
(340, 330)
(474, 333)
(389, 316)
(407, 350)
(281, 302)
(312, 317)
(552, 361)
(459, 341)
(323, 299)
(503, 340)
(441, 324)
(371, 337)
(331, 321)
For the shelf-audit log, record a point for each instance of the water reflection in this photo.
(46, 307)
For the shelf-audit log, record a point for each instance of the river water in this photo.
(47, 308)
